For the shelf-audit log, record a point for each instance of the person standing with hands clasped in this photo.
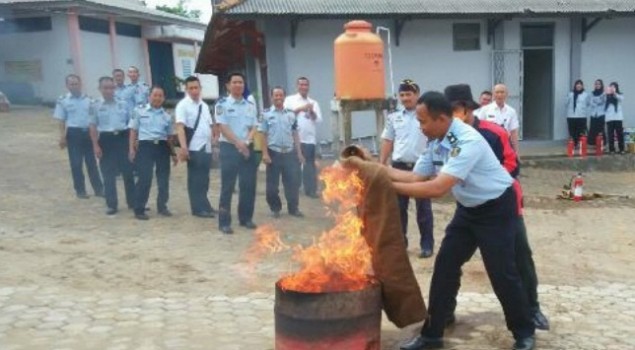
(73, 112)
(309, 115)
(281, 153)
(615, 117)
(461, 161)
(577, 111)
(238, 122)
(109, 132)
(194, 127)
(151, 129)
(597, 105)
(403, 139)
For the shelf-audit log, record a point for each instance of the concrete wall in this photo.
(96, 60)
(425, 55)
(130, 53)
(51, 48)
(608, 54)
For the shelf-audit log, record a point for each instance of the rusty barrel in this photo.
(328, 321)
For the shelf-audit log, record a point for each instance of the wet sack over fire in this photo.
(350, 272)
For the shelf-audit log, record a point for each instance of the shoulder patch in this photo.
(218, 109)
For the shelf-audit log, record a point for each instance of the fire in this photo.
(340, 259)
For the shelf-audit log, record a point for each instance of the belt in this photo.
(281, 149)
(114, 133)
(407, 164)
(77, 128)
(156, 142)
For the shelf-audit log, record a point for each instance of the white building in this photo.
(43, 41)
(538, 48)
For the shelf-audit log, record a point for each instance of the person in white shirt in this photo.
(577, 111)
(615, 117)
(483, 100)
(194, 125)
(597, 105)
(309, 115)
(499, 112)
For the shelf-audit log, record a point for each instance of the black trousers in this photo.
(597, 126)
(114, 160)
(491, 227)
(198, 167)
(615, 129)
(577, 127)
(309, 172)
(80, 151)
(233, 166)
(285, 165)
(425, 218)
(151, 157)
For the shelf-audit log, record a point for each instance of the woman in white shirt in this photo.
(577, 111)
(597, 107)
(614, 117)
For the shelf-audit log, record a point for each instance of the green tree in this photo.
(181, 9)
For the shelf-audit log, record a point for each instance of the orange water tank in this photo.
(359, 63)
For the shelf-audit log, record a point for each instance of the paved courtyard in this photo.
(72, 278)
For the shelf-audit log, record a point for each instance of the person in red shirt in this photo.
(498, 139)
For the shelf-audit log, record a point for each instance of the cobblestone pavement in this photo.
(72, 278)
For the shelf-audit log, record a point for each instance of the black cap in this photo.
(461, 93)
(409, 85)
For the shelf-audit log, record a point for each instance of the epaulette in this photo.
(221, 100)
(61, 98)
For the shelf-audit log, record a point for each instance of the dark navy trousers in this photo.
(198, 167)
(114, 161)
(490, 227)
(80, 151)
(234, 166)
(283, 165)
(425, 218)
(152, 156)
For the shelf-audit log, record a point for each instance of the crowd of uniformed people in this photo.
(432, 145)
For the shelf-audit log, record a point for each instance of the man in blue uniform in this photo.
(121, 89)
(404, 140)
(192, 113)
(152, 127)
(72, 110)
(282, 154)
(238, 122)
(138, 91)
(109, 118)
(460, 160)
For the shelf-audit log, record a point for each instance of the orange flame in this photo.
(340, 259)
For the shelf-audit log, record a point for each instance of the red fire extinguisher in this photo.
(577, 187)
(583, 145)
(570, 146)
(599, 144)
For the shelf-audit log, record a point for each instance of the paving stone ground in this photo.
(71, 278)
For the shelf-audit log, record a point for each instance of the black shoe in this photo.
(421, 342)
(426, 253)
(204, 215)
(450, 320)
(82, 196)
(226, 230)
(111, 211)
(527, 343)
(165, 212)
(250, 225)
(540, 320)
(313, 195)
(297, 214)
(99, 194)
(275, 214)
(143, 217)
(213, 211)
(131, 207)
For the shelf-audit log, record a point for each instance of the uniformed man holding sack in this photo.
(238, 122)
(403, 139)
(109, 132)
(282, 154)
(72, 110)
(151, 128)
(461, 161)
(194, 129)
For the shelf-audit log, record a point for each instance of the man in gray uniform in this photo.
(72, 110)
